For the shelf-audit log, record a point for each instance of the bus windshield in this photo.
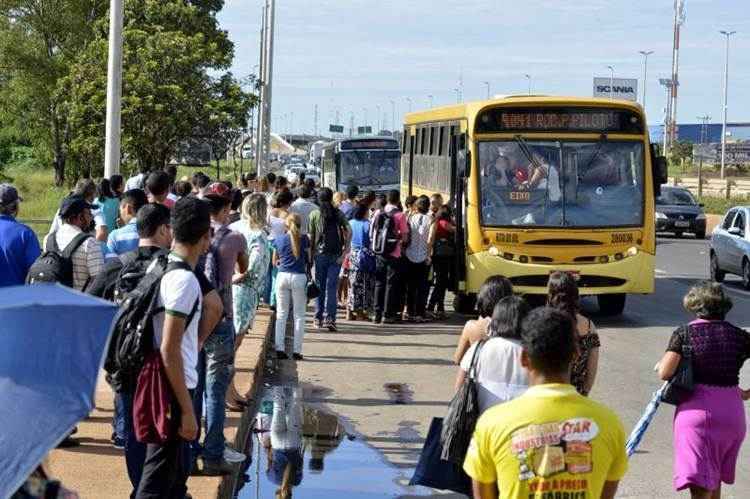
(562, 183)
(370, 167)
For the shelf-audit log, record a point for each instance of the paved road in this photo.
(387, 383)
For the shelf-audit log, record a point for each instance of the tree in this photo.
(169, 48)
(38, 41)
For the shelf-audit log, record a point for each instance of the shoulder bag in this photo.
(463, 413)
(680, 386)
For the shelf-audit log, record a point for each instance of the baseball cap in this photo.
(218, 190)
(73, 205)
(9, 194)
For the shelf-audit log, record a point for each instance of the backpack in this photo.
(330, 241)
(209, 264)
(386, 236)
(133, 335)
(54, 265)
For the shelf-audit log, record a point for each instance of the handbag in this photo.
(152, 402)
(432, 471)
(313, 291)
(680, 386)
(463, 413)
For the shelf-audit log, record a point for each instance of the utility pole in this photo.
(488, 89)
(528, 77)
(114, 90)
(351, 123)
(458, 95)
(377, 108)
(704, 136)
(726, 104)
(430, 98)
(271, 12)
(315, 113)
(364, 110)
(259, 152)
(611, 82)
(645, 54)
(679, 19)
(667, 84)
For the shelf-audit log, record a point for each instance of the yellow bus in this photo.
(539, 184)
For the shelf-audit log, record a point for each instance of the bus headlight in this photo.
(632, 251)
(660, 216)
(494, 251)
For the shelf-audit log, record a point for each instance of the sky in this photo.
(353, 57)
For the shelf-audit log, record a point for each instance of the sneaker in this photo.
(232, 456)
(297, 356)
(221, 468)
(331, 326)
(118, 443)
(281, 355)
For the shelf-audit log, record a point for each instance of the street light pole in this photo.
(727, 34)
(408, 99)
(377, 109)
(430, 97)
(611, 82)
(645, 54)
(487, 84)
(393, 115)
(458, 95)
(114, 90)
(528, 77)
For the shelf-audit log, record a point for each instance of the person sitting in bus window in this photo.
(540, 175)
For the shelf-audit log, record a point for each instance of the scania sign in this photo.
(618, 88)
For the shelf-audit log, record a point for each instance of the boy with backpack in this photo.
(389, 232)
(71, 255)
(227, 251)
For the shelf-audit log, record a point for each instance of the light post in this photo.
(528, 77)
(114, 90)
(487, 84)
(393, 115)
(645, 54)
(727, 34)
(364, 111)
(458, 95)
(377, 109)
(430, 98)
(611, 82)
(408, 99)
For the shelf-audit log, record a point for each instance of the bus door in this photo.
(460, 161)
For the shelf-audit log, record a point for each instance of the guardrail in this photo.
(715, 187)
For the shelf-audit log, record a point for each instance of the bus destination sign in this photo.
(368, 144)
(559, 120)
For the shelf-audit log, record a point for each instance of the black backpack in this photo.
(385, 234)
(54, 265)
(133, 335)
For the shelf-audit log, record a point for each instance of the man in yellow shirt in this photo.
(551, 442)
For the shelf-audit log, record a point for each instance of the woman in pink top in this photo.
(443, 253)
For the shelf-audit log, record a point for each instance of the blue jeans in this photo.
(118, 419)
(215, 368)
(327, 268)
(135, 452)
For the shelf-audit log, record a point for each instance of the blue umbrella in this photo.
(52, 345)
(642, 425)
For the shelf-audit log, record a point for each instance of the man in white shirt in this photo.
(86, 188)
(166, 468)
(138, 181)
(87, 259)
(303, 206)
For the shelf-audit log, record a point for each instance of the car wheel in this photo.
(700, 234)
(746, 274)
(717, 275)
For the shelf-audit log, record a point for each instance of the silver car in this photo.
(730, 246)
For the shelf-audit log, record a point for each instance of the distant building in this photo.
(694, 132)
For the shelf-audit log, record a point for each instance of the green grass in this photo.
(36, 185)
(719, 206)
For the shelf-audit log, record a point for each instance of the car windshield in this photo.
(679, 197)
(370, 167)
(561, 184)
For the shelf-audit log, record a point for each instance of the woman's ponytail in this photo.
(294, 229)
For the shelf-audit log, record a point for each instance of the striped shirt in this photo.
(87, 259)
(122, 240)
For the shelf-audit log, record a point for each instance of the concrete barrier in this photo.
(96, 470)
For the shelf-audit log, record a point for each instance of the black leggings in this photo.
(442, 267)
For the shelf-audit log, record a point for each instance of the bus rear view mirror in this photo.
(660, 173)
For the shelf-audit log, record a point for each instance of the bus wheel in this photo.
(465, 303)
(611, 304)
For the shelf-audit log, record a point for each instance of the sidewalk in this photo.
(96, 470)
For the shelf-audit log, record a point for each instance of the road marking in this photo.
(660, 271)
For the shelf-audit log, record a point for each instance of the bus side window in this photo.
(433, 142)
(441, 141)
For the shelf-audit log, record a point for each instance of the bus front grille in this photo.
(584, 281)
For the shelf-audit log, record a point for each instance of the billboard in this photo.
(618, 88)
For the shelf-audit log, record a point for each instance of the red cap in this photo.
(219, 190)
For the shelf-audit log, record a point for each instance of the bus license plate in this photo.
(681, 223)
